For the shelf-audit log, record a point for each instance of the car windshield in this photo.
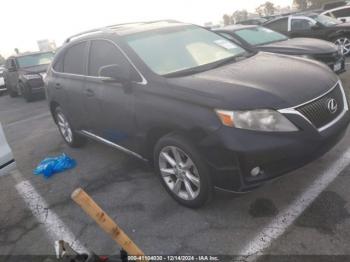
(259, 35)
(35, 59)
(181, 48)
(326, 20)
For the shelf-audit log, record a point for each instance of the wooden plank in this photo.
(105, 222)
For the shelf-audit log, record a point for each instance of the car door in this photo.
(305, 27)
(69, 82)
(110, 106)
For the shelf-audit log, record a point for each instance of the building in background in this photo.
(46, 45)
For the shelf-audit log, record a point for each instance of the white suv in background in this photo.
(2, 81)
(341, 13)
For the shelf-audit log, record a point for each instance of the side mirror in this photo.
(115, 73)
(343, 20)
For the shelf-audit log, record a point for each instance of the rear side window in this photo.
(345, 12)
(280, 25)
(103, 53)
(74, 59)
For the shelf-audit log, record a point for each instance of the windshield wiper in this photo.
(210, 66)
(186, 72)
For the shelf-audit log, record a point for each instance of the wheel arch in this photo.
(153, 135)
(53, 106)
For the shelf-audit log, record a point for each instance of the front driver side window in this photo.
(301, 24)
(103, 53)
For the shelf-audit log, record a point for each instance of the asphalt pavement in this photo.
(304, 213)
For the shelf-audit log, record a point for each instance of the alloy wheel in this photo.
(179, 172)
(64, 127)
(344, 44)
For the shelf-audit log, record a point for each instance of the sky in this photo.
(26, 21)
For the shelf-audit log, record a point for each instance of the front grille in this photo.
(325, 109)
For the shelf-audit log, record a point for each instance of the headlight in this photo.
(259, 120)
(31, 76)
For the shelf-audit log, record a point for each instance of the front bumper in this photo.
(36, 86)
(233, 153)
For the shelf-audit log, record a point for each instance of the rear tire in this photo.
(69, 135)
(182, 171)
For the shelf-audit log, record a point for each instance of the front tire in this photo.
(344, 43)
(12, 93)
(182, 171)
(70, 136)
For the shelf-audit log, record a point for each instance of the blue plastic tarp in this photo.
(52, 165)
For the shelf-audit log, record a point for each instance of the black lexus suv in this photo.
(24, 74)
(207, 112)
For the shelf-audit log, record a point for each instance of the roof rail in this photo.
(96, 30)
(108, 29)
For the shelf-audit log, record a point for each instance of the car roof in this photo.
(128, 28)
(337, 8)
(234, 27)
(306, 14)
(30, 53)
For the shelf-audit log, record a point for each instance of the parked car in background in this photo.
(24, 74)
(208, 112)
(334, 4)
(7, 162)
(314, 26)
(2, 81)
(259, 38)
(255, 21)
(341, 13)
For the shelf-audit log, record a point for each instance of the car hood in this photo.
(300, 46)
(261, 81)
(35, 69)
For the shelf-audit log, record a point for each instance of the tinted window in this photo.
(342, 12)
(74, 59)
(301, 24)
(104, 53)
(58, 64)
(280, 25)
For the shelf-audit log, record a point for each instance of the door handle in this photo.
(58, 86)
(89, 92)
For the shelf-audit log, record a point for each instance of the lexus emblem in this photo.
(332, 105)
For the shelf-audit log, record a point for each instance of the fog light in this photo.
(255, 171)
